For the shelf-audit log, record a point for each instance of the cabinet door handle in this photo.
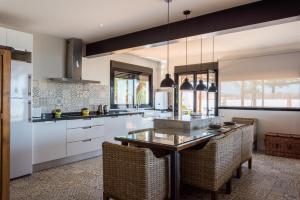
(50, 122)
(87, 127)
(88, 140)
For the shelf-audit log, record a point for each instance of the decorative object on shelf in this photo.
(186, 85)
(168, 81)
(85, 112)
(201, 86)
(57, 113)
(213, 87)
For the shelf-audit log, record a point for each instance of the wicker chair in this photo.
(237, 150)
(247, 145)
(131, 173)
(249, 121)
(210, 167)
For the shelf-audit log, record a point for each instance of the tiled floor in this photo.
(272, 178)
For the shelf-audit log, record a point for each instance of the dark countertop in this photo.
(73, 116)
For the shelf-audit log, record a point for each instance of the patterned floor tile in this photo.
(272, 178)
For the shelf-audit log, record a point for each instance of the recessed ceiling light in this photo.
(101, 25)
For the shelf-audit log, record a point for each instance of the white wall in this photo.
(98, 68)
(48, 56)
(268, 121)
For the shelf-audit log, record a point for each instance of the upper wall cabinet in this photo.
(19, 40)
(2, 36)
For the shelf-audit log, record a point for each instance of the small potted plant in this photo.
(85, 112)
(57, 113)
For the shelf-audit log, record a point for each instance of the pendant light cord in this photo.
(201, 53)
(186, 45)
(213, 48)
(168, 46)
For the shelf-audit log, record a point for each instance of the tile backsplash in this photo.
(70, 97)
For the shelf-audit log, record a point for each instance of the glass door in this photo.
(212, 96)
(201, 96)
(203, 102)
(186, 98)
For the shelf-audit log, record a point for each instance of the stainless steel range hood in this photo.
(74, 63)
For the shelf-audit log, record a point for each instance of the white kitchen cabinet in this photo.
(114, 126)
(2, 36)
(49, 141)
(133, 122)
(84, 146)
(84, 135)
(147, 122)
(84, 122)
(19, 40)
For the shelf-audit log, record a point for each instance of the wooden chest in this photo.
(284, 145)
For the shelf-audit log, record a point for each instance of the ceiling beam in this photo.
(245, 15)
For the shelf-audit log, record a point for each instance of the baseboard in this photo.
(64, 161)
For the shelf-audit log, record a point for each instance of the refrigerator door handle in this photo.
(29, 111)
(29, 84)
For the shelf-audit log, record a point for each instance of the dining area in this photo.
(157, 163)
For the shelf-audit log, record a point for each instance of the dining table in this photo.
(172, 141)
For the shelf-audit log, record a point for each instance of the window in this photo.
(261, 93)
(273, 82)
(202, 102)
(282, 93)
(130, 85)
(186, 98)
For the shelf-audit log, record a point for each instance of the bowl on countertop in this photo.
(214, 126)
(229, 123)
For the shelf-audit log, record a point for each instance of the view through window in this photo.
(197, 101)
(131, 89)
(261, 93)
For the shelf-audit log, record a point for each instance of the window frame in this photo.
(133, 69)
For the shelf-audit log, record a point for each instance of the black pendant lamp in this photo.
(201, 86)
(168, 82)
(212, 87)
(186, 85)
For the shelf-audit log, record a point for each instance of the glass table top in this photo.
(170, 137)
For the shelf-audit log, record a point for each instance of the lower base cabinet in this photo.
(84, 146)
(49, 141)
(60, 139)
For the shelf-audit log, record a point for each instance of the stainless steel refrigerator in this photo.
(21, 126)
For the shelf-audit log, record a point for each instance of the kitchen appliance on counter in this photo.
(105, 109)
(161, 100)
(20, 119)
(100, 109)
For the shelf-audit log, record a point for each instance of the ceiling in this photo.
(267, 40)
(93, 20)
